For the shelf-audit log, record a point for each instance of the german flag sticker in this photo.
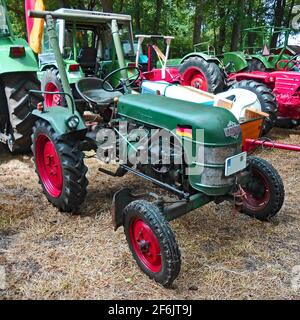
(184, 131)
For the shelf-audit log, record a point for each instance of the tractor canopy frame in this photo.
(81, 21)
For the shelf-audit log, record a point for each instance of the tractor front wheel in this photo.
(264, 192)
(60, 167)
(201, 74)
(266, 98)
(152, 242)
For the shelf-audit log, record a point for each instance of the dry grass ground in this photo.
(51, 255)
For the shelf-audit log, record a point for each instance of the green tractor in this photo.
(205, 70)
(18, 69)
(190, 150)
(257, 52)
(88, 49)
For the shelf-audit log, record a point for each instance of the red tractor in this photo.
(285, 86)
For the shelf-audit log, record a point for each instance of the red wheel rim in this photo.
(257, 197)
(48, 165)
(146, 245)
(194, 77)
(52, 100)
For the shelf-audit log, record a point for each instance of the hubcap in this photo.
(52, 100)
(49, 166)
(146, 245)
(257, 192)
(194, 77)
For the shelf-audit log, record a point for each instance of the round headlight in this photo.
(73, 122)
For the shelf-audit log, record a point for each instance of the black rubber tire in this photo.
(16, 102)
(74, 170)
(171, 259)
(213, 73)
(276, 187)
(52, 75)
(266, 98)
(256, 65)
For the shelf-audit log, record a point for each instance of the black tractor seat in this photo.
(87, 58)
(91, 90)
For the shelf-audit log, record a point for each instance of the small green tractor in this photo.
(18, 75)
(192, 151)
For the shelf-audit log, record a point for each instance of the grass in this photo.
(51, 255)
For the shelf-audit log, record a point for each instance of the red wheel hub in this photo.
(52, 100)
(257, 193)
(48, 165)
(146, 245)
(194, 77)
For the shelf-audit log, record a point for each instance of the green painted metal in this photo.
(27, 63)
(8, 64)
(73, 77)
(202, 55)
(57, 118)
(177, 210)
(236, 61)
(60, 61)
(165, 113)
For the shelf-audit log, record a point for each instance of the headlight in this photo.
(73, 122)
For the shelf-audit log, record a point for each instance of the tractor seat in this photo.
(91, 90)
(87, 58)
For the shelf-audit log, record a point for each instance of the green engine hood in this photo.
(166, 113)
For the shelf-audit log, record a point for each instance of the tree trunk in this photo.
(138, 4)
(278, 19)
(156, 25)
(107, 5)
(65, 3)
(222, 28)
(290, 14)
(237, 26)
(198, 20)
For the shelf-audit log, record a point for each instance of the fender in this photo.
(57, 117)
(73, 77)
(238, 60)
(204, 56)
(28, 63)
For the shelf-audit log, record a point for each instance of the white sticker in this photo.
(2, 278)
(296, 278)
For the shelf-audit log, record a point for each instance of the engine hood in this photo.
(220, 126)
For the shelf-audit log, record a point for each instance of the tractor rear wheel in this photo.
(60, 167)
(264, 192)
(16, 121)
(51, 82)
(201, 74)
(255, 65)
(152, 242)
(266, 98)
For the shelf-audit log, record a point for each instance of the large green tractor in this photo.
(258, 53)
(205, 70)
(18, 67)
(87, 47)
(191, 150)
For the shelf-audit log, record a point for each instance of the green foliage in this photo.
(222, 22)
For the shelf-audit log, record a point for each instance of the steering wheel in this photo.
(286, 67)
(123, 83)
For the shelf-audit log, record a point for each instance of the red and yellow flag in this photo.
(35, 27)
(186, 132)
